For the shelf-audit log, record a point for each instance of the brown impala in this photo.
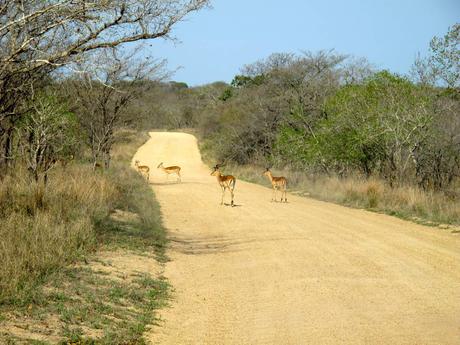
(225, 182)
(278, 183)
(143, 169)
(170, 170)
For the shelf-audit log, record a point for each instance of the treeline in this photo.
(331, 114)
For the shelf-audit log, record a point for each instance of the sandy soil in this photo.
(306, 272)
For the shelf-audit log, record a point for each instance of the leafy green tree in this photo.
(445, 57)
(281, 88)
(442, 65)
(374, 127)
(227, 94)
(49, 133)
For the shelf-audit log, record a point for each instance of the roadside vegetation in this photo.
(73, 213)
(337, 127)
(428, 207)
(61, 279)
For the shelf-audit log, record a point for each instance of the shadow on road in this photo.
(234, 205)
(174, 183)
(202, 245)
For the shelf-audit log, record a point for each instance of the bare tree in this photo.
(356, 70)
(102, 90)
(421, 71)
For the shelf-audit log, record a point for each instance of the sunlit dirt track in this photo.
(305, 272)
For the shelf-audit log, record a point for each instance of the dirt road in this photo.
(306, 272)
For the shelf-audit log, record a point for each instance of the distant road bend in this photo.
(305, 272)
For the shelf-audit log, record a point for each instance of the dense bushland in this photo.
(326, 113)
(335, 124)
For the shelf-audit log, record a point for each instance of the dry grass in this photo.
(38, 235)
(407, 202)
(51, 242)
(42, 230)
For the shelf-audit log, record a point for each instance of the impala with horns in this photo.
(174, 169)
(143, 169)
(225, 182)
(278, 183)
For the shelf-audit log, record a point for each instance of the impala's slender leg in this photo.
(178, 174)
(223, 193)
(231, 192)
(285, 192)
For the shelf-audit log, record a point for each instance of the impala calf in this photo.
(225, 182)
(143, 169)
(278, 183)
(170, 170)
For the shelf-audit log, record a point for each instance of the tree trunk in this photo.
(6, 151)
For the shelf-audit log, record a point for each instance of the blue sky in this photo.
(216, 43)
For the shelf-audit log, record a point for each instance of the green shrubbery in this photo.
(329, 114)
(378, 128)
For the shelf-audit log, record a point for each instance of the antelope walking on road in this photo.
(225, 182)
(143, 169)
(170, 170)
(278, 183)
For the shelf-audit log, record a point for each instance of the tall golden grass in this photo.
(39, 233)
(408, 202)
(44, 229)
